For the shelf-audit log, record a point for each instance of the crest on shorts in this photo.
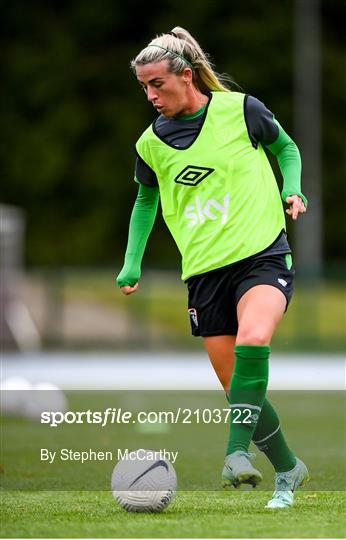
(193, 316)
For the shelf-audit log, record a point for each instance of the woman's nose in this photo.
(151, 94)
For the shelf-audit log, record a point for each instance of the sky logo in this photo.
(199, 212)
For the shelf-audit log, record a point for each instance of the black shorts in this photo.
(213, 297)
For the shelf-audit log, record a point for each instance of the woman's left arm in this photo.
(287, 154)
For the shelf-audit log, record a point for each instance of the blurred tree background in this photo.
(72, 111)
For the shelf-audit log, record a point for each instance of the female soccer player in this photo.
(203, 157)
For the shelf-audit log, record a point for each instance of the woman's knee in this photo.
(253, 336)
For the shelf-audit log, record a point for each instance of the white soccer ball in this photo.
(143, 482)
(14, 392)
(44, 396)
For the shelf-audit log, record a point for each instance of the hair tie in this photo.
(172, 52)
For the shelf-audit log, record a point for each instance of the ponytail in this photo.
(182, 50)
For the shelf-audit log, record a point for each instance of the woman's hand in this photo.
(127, 289)
(128, 278)
(296, 206)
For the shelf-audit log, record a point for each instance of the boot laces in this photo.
(249, 455)
(284, 481)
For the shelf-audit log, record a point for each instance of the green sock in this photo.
(247, 393)
(269, 438)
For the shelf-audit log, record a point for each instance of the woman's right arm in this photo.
(141, 223)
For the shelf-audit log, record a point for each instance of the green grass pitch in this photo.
(315, 422)
(191, 515)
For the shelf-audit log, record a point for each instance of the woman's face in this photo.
(167, 91)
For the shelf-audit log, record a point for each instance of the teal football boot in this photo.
(285, 485)
(239, 470)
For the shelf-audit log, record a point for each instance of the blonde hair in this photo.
(182, 50)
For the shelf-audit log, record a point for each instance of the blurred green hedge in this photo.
(72, 111)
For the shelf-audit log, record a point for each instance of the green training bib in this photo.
(219, 196)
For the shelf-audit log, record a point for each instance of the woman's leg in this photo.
(220, 350)
(250, 376)
(259, 311)
(255, 331)
(268, 435)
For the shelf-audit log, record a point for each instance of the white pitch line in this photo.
(162, 371)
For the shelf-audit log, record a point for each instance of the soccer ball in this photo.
(13, 396)
(142, 482)
(44, 396)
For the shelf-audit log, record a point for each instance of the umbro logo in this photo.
(193, 175)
